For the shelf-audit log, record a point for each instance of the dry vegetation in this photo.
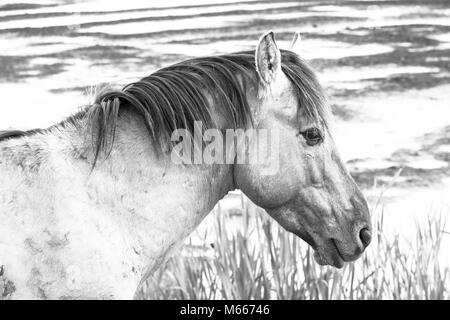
(259, 260)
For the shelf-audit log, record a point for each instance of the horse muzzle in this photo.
(336, 252)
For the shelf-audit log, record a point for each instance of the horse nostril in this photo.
(365, 236)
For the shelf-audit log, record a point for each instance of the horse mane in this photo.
(11, 134)
(176, 96)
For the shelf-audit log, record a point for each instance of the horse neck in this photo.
(136, 203)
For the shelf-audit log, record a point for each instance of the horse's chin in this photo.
(329, 255)
(325, 253)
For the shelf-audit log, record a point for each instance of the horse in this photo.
(91, 206)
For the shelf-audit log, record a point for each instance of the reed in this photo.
(246, 255)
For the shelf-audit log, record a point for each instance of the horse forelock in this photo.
(310, 93)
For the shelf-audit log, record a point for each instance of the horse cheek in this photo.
(266, 191)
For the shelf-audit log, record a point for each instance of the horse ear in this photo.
(295, 42)
(268, 58)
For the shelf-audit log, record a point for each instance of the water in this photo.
(385, 68)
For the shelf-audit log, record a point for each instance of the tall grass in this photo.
(252, 257)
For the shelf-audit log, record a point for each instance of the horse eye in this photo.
(312, 136)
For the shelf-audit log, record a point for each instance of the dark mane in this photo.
(176, 96)
(11, 134)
